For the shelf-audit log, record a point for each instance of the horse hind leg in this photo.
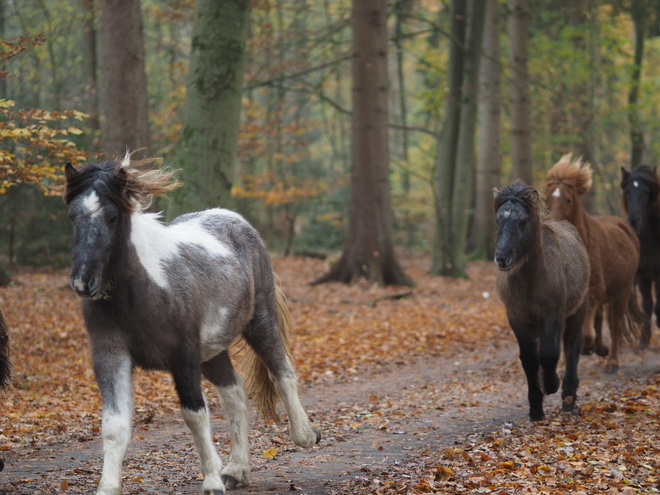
(646, 289)
(188, 382)
(229, 385)
(270, 346)
(616, 314)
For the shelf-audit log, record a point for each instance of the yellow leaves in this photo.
(6, 103)
(269, 454)
(443, 473)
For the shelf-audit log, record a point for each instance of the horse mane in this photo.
(574, 173)
(131, 185)
(527, 196)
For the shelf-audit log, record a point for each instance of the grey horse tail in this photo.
(5, 363)
(259, 383)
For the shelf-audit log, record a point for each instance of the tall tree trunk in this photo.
(369, 250)
(443, 171)
(125, 103)
(639, 12)
(211, 116)
(3, 36)
(489, 163)
(464, 166)
(521, 146)
(90, 71)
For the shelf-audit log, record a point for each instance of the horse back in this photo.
(614, 255)
(567, 257)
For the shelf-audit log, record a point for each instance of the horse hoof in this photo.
(603, 351)
(2, 464)
(611, 368)
(588, 351)
(229, 481)
(214, 492)
(568, 403)
(318, 433)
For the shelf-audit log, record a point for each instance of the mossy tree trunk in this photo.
(211, 116)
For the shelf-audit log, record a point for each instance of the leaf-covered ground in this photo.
(417, 391)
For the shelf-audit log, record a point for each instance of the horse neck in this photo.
(581, 221)
(535, 255)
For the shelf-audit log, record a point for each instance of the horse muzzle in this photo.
(86, 288)
(504, 263)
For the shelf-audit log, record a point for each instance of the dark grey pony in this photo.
(543, 279)
(175, 297)
(5, 363)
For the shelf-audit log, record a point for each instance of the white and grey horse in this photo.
(175, 297)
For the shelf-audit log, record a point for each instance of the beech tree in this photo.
(521, 144)
(369, 249)
(454, 168)
(211, 114)
(124, 80)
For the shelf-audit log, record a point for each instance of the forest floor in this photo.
(416, 390)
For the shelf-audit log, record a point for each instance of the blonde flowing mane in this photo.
(574, 173)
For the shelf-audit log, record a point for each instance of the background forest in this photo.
(588, 94)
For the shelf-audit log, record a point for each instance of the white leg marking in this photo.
(116, 429)
(302, 432)
(234, 402)
(199, 424)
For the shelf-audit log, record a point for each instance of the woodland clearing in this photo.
(416, 390)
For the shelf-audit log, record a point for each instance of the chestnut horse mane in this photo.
(573, 173)
(131, 185)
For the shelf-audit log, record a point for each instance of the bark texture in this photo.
(125, 103)
(369, 250)
(207, 147)
(521, 143)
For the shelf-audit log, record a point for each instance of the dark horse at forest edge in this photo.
(175, 297)
(613, 259)
(641, 190)
(542, 280)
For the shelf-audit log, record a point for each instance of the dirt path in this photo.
(371, 423)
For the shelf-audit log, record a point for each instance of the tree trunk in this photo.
(489, 163)
(521, 147)
(443, 172)
(211, 116)
(369, 250)
(464, 166)
(90, 71)
(125, 103)
(639, 13)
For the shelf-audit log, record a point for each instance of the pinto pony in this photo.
(175, 297)
(613, 251)
(641, 190)
(542, 280)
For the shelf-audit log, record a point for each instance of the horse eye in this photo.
(112, 219)
(568, 200)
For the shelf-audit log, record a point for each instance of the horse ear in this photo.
(121, 177)
(69, 171)
(624, 173)
(496, 191)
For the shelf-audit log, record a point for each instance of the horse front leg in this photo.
(550, 350)
(529, 357)
(588, 345)
(229, 385)
(601, 348)
(114, 373)
(616, 315)
(188, 382)
(645, 288)
(572, 347)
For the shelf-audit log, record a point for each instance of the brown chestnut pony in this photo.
(613, 251)
(5, 364)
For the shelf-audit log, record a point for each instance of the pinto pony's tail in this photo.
(259, 382)
(633, 319)
(5, 364)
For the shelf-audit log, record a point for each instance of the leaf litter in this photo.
(343, 338)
